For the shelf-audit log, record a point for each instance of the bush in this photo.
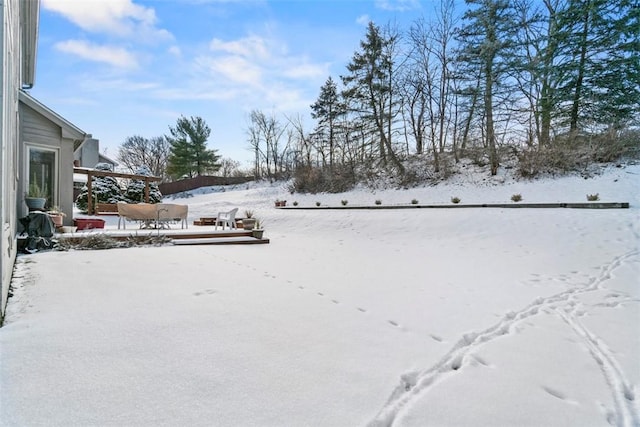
(317, 203)
(135, 190)
(104, 189)
(295, 203)
(318, 180)
(516, 198)
(455, 200)
(378, 202)
(414, 201)
(577, 152)
(344, 202)
(593, 197)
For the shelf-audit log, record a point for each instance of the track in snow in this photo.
(625, 412)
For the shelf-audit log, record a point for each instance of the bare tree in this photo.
(137, 151)
(228, 167)
(265, 139)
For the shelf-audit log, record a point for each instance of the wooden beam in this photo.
(92, 172)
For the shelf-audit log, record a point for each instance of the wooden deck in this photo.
(202, 236)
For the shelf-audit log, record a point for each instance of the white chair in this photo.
(227, 219)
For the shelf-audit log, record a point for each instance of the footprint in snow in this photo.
(480, 360)
(558, 394)
(206, 291)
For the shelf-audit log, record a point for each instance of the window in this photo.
(42, 171)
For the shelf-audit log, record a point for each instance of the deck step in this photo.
(221, 241)
(179, 237)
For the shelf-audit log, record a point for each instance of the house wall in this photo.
(37, 130)
(10, 56)
(89, 153)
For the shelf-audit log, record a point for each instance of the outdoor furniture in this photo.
(171, 212)
(227, 219)
(151, 215)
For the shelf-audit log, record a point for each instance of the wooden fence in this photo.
(167, 188)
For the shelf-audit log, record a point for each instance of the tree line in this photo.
(536, 78)
(183, 153)
(541, 79)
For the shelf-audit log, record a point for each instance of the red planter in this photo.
(88, 223)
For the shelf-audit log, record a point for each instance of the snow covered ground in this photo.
(413, 317)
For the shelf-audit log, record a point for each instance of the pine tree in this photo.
(327, 109)
(600, 82)
(487, 41)
(370, 88)
(189, 154)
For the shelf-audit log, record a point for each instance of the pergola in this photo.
(92, 172)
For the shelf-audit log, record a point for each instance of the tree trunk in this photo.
(577, 95)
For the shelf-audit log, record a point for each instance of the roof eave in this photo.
(68, 129)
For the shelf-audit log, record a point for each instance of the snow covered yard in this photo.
(413, 317)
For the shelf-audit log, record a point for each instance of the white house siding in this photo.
(10, 56)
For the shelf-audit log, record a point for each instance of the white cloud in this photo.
(175, 51)
(363, 20)
(254, 71)
(115, 56)
(249, 47)
(398, 5)
(234, 69)
(115, 17)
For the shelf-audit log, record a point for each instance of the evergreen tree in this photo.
(327, 109)
(104, 189)
(369, 88)
(486, 46)
(599, 84)
(189, 154)
(135, 189)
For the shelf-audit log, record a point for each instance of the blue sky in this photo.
(117, 68)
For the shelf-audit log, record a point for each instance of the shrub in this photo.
(135, 190)
(516, 198)
(295, 203)
(378, 202)
(593, 197)
(414, 201)
(344, 202)
(455, 200)
(317, 180)
(104, 189)
(317, 203)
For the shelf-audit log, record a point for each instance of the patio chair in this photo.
(227, 219)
